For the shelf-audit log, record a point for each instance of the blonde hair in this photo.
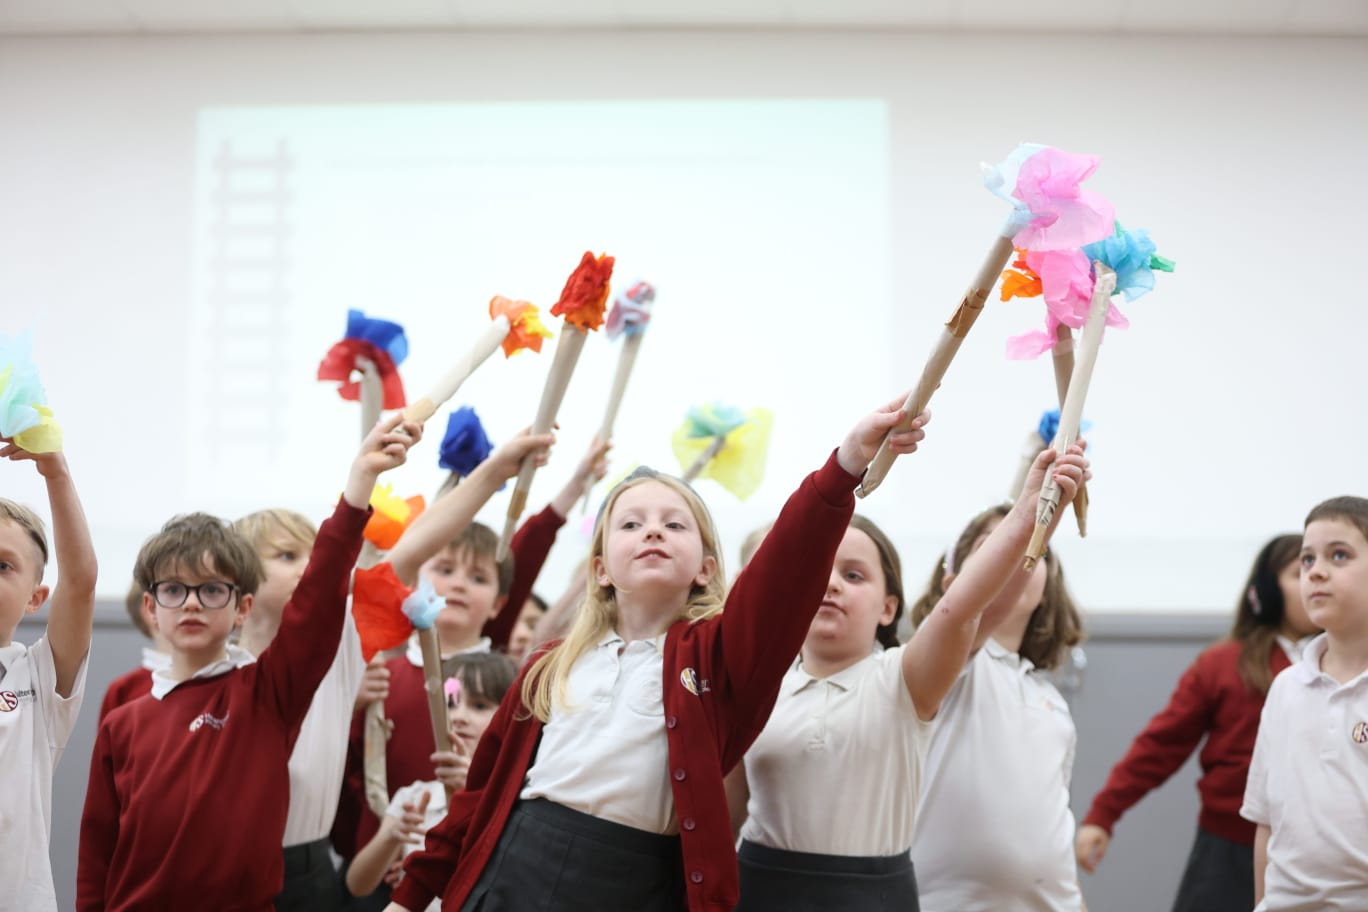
(265, 528)
(544, 685)
(32, 526)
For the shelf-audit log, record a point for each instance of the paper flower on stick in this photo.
(1051, 210)
(586, 293)
(1131, 255)
(631, 311)
(465, 445)
(1064, 278)
(24, 415)
(739, 466)
(423, 605)
(526, 328)
(381, 341)
(392, 515)
(377, 600)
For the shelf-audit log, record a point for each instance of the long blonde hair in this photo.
(544, 685)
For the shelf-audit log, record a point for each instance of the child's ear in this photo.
(599, 569)
(36, 600)
(244, 607)
(889, 611)
(947, 579)
(499, 604)
(149, 611)
(705, 575)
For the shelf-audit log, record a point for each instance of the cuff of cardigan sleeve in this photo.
(411, 895)
(835, 484)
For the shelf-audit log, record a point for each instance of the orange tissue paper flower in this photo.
(377, 606)
(585, 295)
(526, 329)
(1021, 280)
(392, 516)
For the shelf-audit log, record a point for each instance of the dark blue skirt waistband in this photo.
(617, 835)
(824, 864)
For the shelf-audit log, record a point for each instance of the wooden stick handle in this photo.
(372, 395)
(376, 742)
(436, 695)
(1072, 411)
(1063, 371)
(568, 348)
(631, 345)
(970, 306)
(704, 458)
(424, 408)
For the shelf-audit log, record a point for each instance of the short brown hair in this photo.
(1055, 625)
(203, 544)
(32, 525)
(1353, 510)
(275, 526)
(133, 605)
(480, 541)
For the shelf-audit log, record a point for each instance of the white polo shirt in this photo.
(34, 726)
(319, 758)
(837, 768)
(994, 832)
(605, 752)
(1308, 781)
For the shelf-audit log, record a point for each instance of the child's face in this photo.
(652, 545)
(284, 561)
(521, 637)
(469, 584)
(192, 629)
(21, 571)
(470, 714)
(856, 602)
(1334, 577)
(1295, 623)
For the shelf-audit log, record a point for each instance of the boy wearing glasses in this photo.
(189, 788)
(40, 685)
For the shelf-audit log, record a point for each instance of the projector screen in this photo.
(764, 226)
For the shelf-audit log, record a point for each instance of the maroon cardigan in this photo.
(733, 664)
(1211, 701)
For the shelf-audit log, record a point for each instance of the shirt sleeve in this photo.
(59, 713)
(1255, 808)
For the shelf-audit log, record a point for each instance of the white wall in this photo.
(1220, 417)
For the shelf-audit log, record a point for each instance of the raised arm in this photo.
(71, 609)
(451, 513)
(774, 599)
(938, 650)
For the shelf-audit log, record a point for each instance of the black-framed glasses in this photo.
(211, 596)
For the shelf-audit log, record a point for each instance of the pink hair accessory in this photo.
(452, 688)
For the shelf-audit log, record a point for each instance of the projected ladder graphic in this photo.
(248, 303)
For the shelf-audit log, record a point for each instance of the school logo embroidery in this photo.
(212, 721)
(9, 701)
(689, 678)
(1360, 733)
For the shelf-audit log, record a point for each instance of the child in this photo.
(834, 777)
(566, 800)
(40, 685)
(533, 610)
(284, 540)
(1308, 780)
(457, 556)
(1218, 698)
(1002, 750)
(475, 684)
(138, 682)
(188, 791)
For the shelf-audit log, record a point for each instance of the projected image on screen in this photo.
(763, 224)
